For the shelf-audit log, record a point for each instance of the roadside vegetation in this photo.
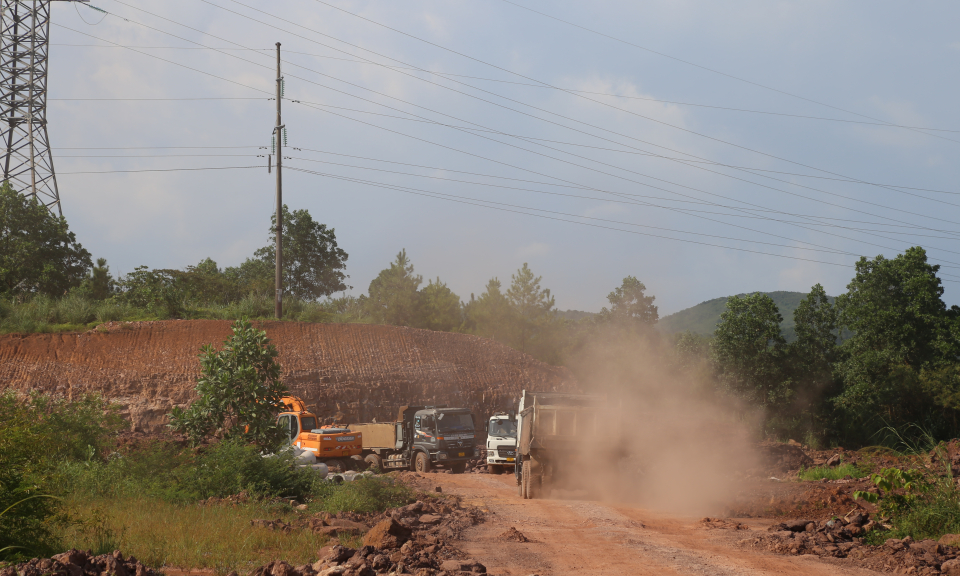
(68, 481)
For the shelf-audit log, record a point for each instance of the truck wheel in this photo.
(336, 466)
(458, 468)
(374, 462)
(495, 468)
(421, 463)
(525, 481)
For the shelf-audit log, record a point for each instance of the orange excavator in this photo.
(333, 445)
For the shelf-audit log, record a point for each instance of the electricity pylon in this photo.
(24, 47)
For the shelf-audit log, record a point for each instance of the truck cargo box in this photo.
(377, 435)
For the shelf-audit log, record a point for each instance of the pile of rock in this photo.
(79, 563)
(843, 538)
(414, 539)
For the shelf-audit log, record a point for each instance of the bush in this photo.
(834, 473)
(76, 309)
(231, 467)
(373, 494)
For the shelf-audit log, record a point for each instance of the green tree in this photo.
(532, 307)
(239, 391)
(159, 291)
(393, 297)
(490, 315)
(101, 282)
(630, 306)
(815, 349)
(748, 349)
(901, 329)
(313, 264)
(440, 308)
(38, 252)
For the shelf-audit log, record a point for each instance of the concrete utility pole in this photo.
(24, 46)
(278, 136)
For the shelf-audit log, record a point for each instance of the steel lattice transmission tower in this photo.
(24, 49)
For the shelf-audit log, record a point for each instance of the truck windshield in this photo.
(503, 427)
(308, 423)
(452, 422)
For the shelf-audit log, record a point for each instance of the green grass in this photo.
(162, 533)
(831, 473)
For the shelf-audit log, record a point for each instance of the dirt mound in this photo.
(74, 562)
(777, 457)
(843, 538)
(513, 535)
(361, 371)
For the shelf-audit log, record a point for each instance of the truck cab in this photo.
(446, 436)
(501, 442)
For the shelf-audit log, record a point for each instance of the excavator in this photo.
(332, 444)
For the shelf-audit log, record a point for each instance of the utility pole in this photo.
(24, 47)
(278, 137)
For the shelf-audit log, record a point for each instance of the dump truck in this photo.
(331, 445)
(558, 435)
(421, 438)
(501, 441)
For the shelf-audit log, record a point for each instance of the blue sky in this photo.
(696, 201)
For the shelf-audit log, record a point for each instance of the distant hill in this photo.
(703, 318)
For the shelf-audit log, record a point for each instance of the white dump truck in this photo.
(559, 435)
(501, 442)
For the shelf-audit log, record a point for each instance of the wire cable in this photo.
(407, 113)
(765, 87)
(518, 210)
(163, 170)
(525, 104)
(658, 100)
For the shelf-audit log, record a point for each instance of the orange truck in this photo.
(334, 446)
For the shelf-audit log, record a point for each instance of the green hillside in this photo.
(703, 318)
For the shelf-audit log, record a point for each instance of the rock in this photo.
(833, 461)
(473, 566)
(950, 540)
(950, 568)
(333, 571)
(386, 535)
(281, 568)
(796, 525)
(72, 556)
(450, 566)
(336, 554)
(357, 526)
(430, 519)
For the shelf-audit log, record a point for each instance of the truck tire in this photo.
(495, 468)
(527, 476)
(458, 468)
(421, 463)
(336, 466)
(374, 462)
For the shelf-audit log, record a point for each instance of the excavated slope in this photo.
(360, 371)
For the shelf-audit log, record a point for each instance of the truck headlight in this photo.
(441, 455)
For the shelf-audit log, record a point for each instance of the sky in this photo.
(593, 141)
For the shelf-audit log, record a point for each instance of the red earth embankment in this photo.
(362, 371)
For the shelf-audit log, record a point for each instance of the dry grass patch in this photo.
(161, 533)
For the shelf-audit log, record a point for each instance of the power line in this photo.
(658, 100)
(499, 105)
(537, 108)
(164, 170)
(517, 209)
(415, 105)
(148, 99)
(568, 195)
(765, 87)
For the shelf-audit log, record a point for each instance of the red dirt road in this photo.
(596, 538)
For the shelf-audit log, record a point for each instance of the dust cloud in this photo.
(680, 446)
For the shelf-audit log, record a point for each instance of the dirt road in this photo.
(575, 536)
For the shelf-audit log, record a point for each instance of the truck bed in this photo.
(377, 435)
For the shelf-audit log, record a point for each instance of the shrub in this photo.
(831, 473)
(76, 309)
(239, 391)
(374, 494)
